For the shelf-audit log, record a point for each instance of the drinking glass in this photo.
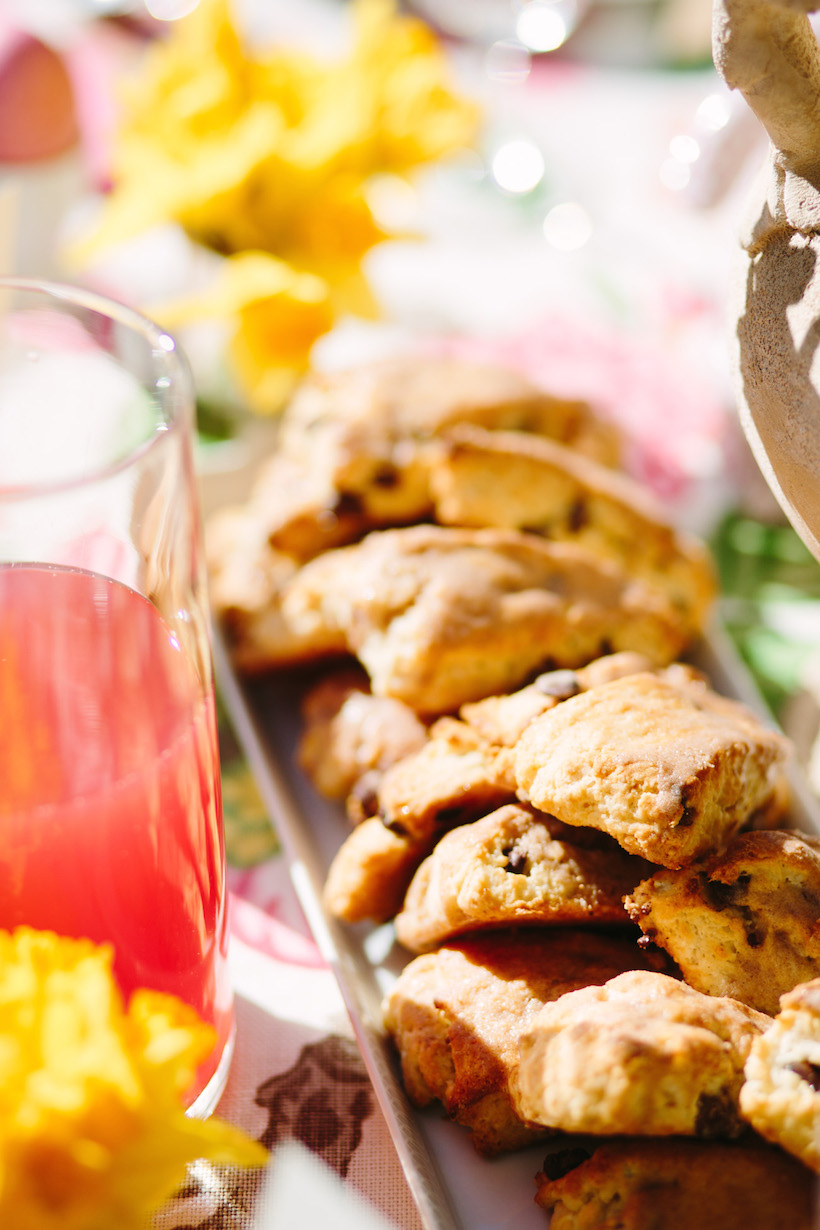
(110, 802)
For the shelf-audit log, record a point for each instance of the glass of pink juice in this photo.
(110, 803)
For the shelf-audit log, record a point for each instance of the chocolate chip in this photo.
(715, 1116)
(386, 476)
(719, 895)
(347, 505)
(557, 1164)
(364, 797)
(807, 1071)
(516, 860)
(560, 684)
(577, 518)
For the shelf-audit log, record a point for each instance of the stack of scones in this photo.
(614, 926)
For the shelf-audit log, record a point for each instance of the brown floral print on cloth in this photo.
(322, 1101)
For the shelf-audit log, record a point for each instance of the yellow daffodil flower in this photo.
(92, 1130)
(272, 155)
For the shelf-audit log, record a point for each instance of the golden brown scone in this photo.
(354, 446)
(247, 578)
(456, 1014)
(454, 778)
(746, 923)
(516, 867)
(347, 733)
(642, 1055)
(439, 617)
(370, 873)
(666, 766)
(676, 1185)
(526, 482)
(781, 1094)
(503, 719)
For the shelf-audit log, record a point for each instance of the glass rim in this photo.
(178, 409)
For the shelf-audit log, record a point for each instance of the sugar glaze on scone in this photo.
(676, 1185)
(666, 766)
(516, 867)
(781, 1094)
(455, 1016)
(745, 923)
(642, 1055)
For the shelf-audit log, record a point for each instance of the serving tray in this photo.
(454, 1188)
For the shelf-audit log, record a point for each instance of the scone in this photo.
(247, 578)
(347, 733)
(371, 872)
(676, 1185)
(781, 1094)
(411, 805)
(746, 923)
(642, 1055)
(456, 1015)
(526, 482)
(353, 445)
(667, 767)
(455, 777)
(439, 617)
(516, 867)
(503, 719)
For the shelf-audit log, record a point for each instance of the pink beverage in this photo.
(110, 805)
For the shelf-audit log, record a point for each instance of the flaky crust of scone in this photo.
(641, 1055)
(347, 732)
(515, 867)
(456, 1014)
(526, 482)
(667, 767)
(745, 923)
(781, 1095)
(677, 1185)
(440, 616)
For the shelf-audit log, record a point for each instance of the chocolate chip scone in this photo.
(666, 766)
(746, 923)
(354, 445)
(781, 1094)
(455, 778)
(642, 1055)
(516, 867)
(348, 733)
(371, 872)
(439, 617)
(456, 1015)
(676, 1185)
(526, 482)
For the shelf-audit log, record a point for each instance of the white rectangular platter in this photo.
(453, 1187)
